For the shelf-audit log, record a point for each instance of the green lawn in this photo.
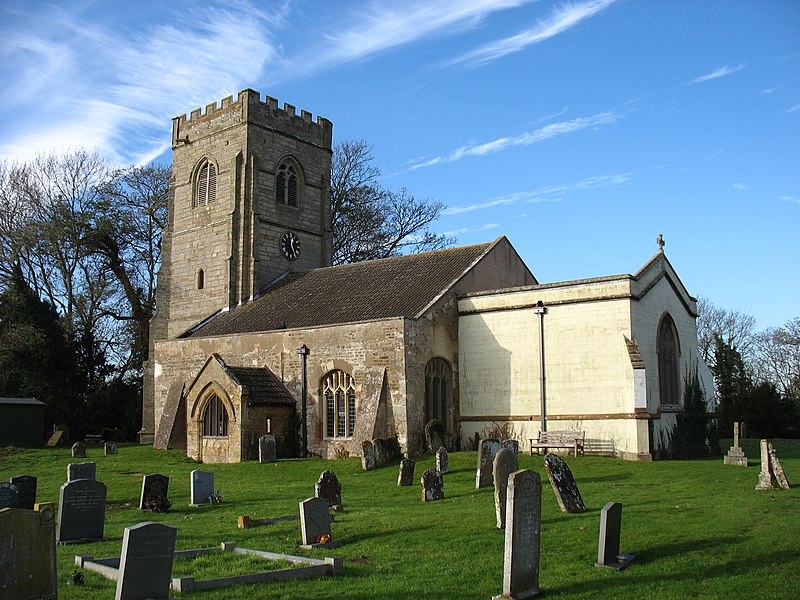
(697, 528)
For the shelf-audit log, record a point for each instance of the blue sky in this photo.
(580, 130)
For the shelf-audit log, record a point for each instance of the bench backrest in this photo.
(561, 436)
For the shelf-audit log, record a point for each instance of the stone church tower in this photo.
(249, 202)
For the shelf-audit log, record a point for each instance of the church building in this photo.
(253, 323)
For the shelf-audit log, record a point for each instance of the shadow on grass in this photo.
(615, 477)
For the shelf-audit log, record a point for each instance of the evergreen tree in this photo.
(733, 385)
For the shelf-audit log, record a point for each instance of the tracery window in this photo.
(287, 184)
(215, 418)
(668, 349)
(438, 390)
(206, 184)
(339, 395)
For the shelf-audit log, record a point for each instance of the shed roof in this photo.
(28, 401)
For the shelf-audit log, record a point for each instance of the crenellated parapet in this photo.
(249, 107)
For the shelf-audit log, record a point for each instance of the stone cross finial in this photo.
(661, 243)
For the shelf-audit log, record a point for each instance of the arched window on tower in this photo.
(339, 398)
(206, 184)
(215, 418)
(668, 350)
(438, 391)
(287, 184)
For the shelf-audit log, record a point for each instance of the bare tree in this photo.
(777, 352)
(733, 327)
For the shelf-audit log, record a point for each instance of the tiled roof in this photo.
(264, 386)
(401, 286)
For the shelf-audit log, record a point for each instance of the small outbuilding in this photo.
(21, 422)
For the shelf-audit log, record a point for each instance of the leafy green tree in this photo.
(733, 385)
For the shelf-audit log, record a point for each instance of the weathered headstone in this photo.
(145, 567)
(512, 445)
(442, 464)
(202, 487)
(564, 486)
(368, 458)
(315, 523)
(735, 455)
(85, 470)
(78, 450)
(406, 475)
(777, 469)
(155, 492)
(81, 511)
(432, 486)
(329, 488)
(523, 527)
(28, 552)
(505, 463)
(110, 448)
(487, 450)
(9, 495)
(26, 486)
(57, 438)
(608, 545)
(765, 476)
(267, 449)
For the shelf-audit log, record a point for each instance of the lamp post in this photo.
(540, 309)
(303, 351)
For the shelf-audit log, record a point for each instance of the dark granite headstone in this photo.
(564, 486)
(81, 511)
(406, 475)
(145, 567)
(487, 450)
(155, 492)
(267, 449)
(432, 486)
(329, 488)
(512, 445)
(608, 546)
(442, 463)
(28, 553)
(368, 457)
(110, 448)
(86, 470)
(315, 520)
(505, 463)
(26, 486)
(9, 496)
(202, 487)
(523, 527)
(78, 450)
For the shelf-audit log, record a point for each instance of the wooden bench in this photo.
(559, 439)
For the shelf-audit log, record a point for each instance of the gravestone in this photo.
(432, 486)
(505, 463)
(315, 520)
(329, 488)
(110, 448)
(512, 445)
(765, 476)
(777, 469)
(608, 545)
(86, 470)
(735, 455)
(202, 487)
(406, 475)
(564, 486)
(57, 438)
(368, 458)
(78, 450)
(487, 450)
(81, 511)
(28, 553)
(145, 567)
(523, 527)
(9, 495)
(267, 449)
(155, 492)
(442, 460)
(26, 486)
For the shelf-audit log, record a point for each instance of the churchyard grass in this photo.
(698, 528)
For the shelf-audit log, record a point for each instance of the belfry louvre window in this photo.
(206, 185)
(215, 418)
(668, 350)
(339, 394)
(287, 185)
(438, 390)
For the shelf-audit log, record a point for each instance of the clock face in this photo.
(290, 245)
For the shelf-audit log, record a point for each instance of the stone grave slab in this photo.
(512, 445)
(202, 487)
(329, 488)
(777, 469)
(406, 475)
(9, 495)
(26, 486)
(267, 449)
(145, 567)
(85, 470)
(155, 492)
(608, 545)
(735, 455)
(315, 522)
(78, 450)
(28, 552)
(81, 511)
(110, 448)
(564, 486)
(58, 437)
(523, 528)
(442, 462)
(765, 476)
(368, 456)
(432, 486)
(505, 463)
(487, 450)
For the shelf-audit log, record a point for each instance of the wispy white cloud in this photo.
(464, 230)
(560, 20)
(531, 137)
(718, 73)
(770, 90)
(544, 194)
(740, 186)
(794, 108)
(792, 199)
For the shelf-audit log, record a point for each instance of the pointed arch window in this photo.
(438, 390)
(215, 418)
(339, 397)
(287, 184)
(206, 184)
(668, 350)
